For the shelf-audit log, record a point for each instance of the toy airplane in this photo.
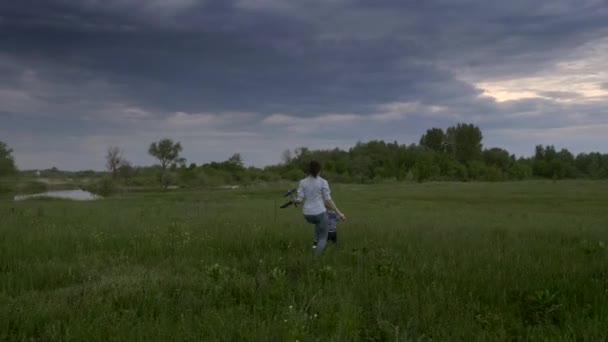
(293, 201)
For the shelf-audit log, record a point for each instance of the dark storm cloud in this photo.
(232, 70)
(229, 57)
(105, 66)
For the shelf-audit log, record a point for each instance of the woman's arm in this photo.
(329, 203)
(300, 196)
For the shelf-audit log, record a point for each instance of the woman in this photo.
(314, 192)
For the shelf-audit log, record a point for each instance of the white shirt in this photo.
(314, 192)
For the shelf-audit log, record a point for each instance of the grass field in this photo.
(504, 261)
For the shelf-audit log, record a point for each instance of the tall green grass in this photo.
(415, 262)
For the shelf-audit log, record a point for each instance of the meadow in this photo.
(415, 262)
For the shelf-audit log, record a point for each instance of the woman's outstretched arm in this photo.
(329, 203)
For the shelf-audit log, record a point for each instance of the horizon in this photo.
(257, 77)
(245, 164)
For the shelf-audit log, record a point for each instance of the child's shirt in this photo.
(332, 221)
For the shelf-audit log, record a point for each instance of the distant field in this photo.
(440, 261)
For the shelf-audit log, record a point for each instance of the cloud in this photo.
(275, 5)
(559, 95)
(14, 100)
(400, 110)
(358, 125)
(318, 125)
(577, 139)
(554, 134)
(575, 78)
(210, 120)
(232, 74)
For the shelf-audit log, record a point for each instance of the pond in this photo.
(76, 195)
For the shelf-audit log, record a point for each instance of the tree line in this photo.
(454, 154)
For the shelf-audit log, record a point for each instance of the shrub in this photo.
(168, 178)
(494, 174)
(103, 187)
(294, 175)
(477, 170)
(520, 171)
(540, 307)
(426, 169)
(32, 187)
(6, 187)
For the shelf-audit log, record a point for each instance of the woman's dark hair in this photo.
(314, 168)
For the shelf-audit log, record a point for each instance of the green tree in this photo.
(520, 170)
(493, 174)
(361, 167)
(300, 159)
(463, 141)
(167, 152)
(497, 157)
(589, 165)
(477, 170)
(426, 168)
(236, 159)
(563, 165)
(434, 139)
(450, 168)
(7, 162)
(549, 163)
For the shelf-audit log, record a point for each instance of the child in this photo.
(332, 222)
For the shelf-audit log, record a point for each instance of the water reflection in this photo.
(76, 195)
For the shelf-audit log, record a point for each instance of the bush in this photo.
(426, 169)
(494, 174)
(453, 170)
(6, 187)
(541, 307)
(294, 175)
(520, 171)
(477, 170)
(103, 187)
(32, 187)
(269, 176)
(144, 181)
(341, 178)
(209, 178)
(168, 178)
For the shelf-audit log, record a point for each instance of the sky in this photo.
(258, 77)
